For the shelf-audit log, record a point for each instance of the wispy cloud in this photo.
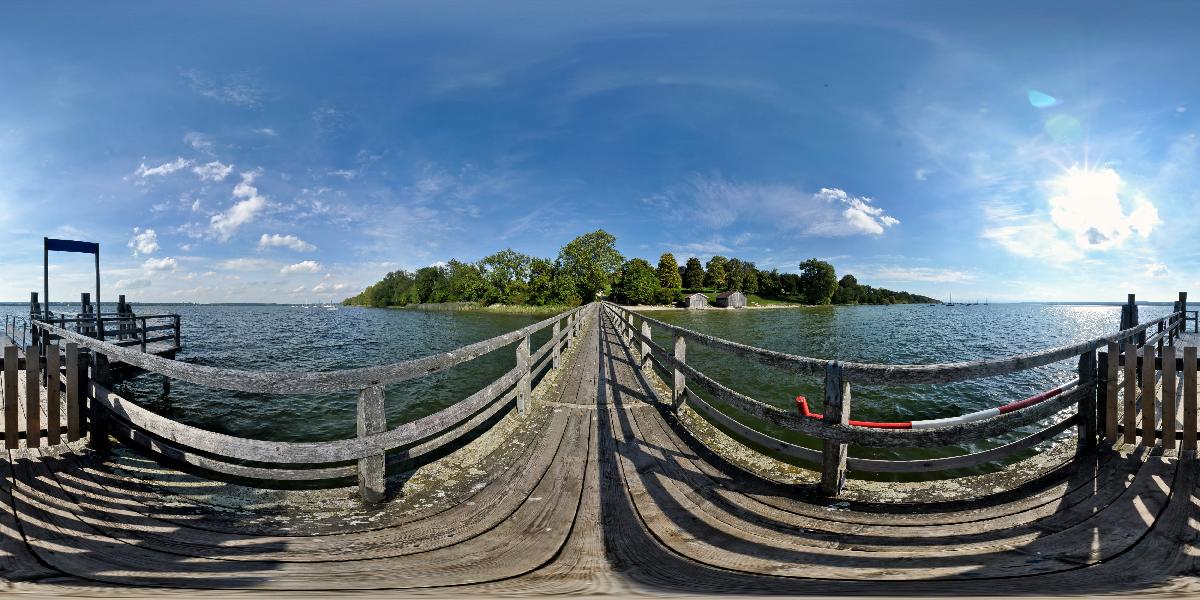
(918, 274)
(828, 212)
(199, 142)
(213, 171)
(238, 89)
(284, 241)
(307, 266)
(245, 264)
(166, 168)
(160, 264)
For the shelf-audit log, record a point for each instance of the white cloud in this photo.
(285, 241)
(267, 131)
(921, 174)
(298, 289)
(325, 287)
(225, 224)
(143, 242)
(1181, 109)
(198, 141)
(159, 264)
(163, 169)
(307, 266)
(347, 174)
(237, 89)
(212, 171)
(830, 212)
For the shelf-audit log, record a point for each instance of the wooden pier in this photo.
(600, 464)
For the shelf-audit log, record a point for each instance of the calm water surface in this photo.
(307, 339)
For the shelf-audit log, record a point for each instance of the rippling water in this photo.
(305, 339)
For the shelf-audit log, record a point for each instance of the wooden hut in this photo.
(731, 300)
(696, 300)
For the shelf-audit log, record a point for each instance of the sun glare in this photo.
(1087, 204)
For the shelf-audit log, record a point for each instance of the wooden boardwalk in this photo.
(597, 489)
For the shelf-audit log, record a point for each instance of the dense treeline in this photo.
(590, 265)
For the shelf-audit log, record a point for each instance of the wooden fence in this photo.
(366, 455)
(1090, 398)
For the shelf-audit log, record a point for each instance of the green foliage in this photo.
(741, 276)
(818, 281)
(637, 284)
(507, 274)
(590, 261)
(714, 273)
(465, 282)
(668, 272)
(693, 274)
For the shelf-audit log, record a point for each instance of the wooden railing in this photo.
(834, 427)
(366, 455)
(123, 329)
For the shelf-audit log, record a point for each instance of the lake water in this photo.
(305, 339)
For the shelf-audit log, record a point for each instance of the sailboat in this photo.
(951, 302)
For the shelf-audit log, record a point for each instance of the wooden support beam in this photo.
(554, 336)
(1189, 398)
(1087, 403)
(680, 383)
(33, 397)
(76, 376)
(372, 419)
(10, 397)
(1112, 393)
(1168, 397)
(523, 386)
(837, 412)
(1149, 396)
(53, 389)
(645, 330)
(1130, 401)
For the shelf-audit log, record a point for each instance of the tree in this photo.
(818, 281)
(848, 291)
(693, 274)
(638, 283)
(668, 272)
(507, 272)
(590, 260)
(465, 282)
(541, 282)
(715, 275)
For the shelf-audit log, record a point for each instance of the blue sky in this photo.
(298, 151)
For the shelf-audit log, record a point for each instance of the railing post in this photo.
(143, 323)
(53, 400)
(837, 412)
(570, 330)
(175, 318)
(76, 379)
(1162, 327)
(372, 419)
(10, 397)
(523, 386)
(556, 342)
(678, 391)
(1189, 398)
(1088, 403)
(645, 330)
(1129, 401)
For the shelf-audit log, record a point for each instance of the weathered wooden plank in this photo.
(750, 434)
(1189, 398)
(371, 420)
(10, 397)
(344, 450)
(902, 374)
(645, 355)
(1149, 396)
(1112, 402)
(1130, 400)
(1168, 397)
(555, 339)
(837, 412)
(33, 398)
(276, 382)
(525, 367)
(1087, 404)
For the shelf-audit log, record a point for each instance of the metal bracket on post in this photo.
(837, 412)
(372, 419)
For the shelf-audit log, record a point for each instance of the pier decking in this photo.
(598, 487)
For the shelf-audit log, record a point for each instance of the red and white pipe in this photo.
(802, 407)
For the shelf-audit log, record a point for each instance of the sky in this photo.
(297, 151)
